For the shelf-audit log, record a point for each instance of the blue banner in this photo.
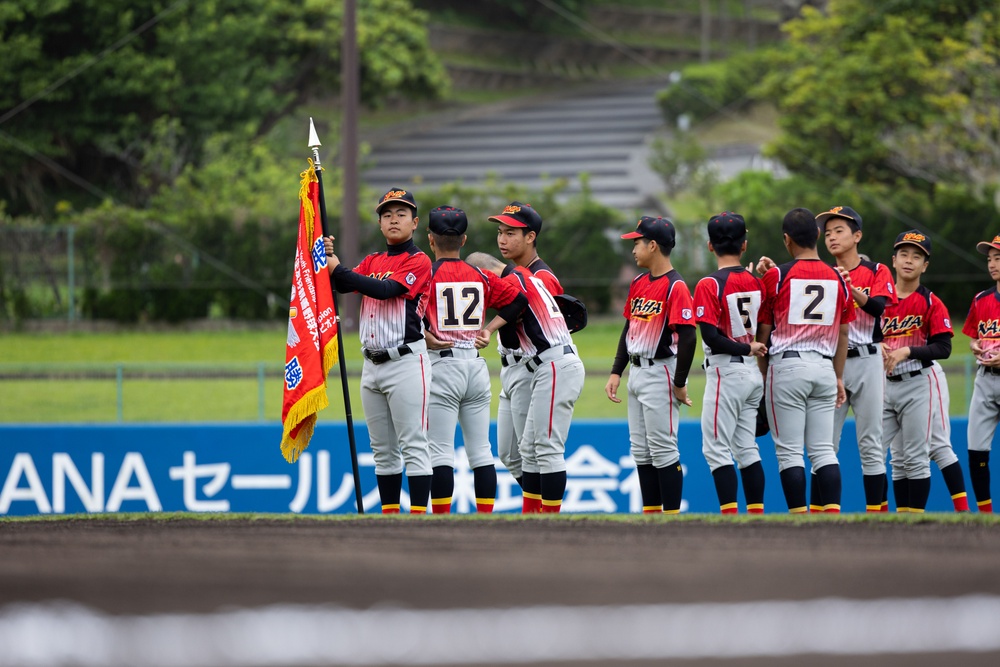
(239, 468)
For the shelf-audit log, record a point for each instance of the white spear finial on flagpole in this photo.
(314, 143)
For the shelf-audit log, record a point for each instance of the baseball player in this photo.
(460, 388)
(916, 330)
(983, 327)
(726, 305)
(942, 452)
(557, 376)
(871, 288)
(518, 227)
(658, 340)
(806, 312)
(396, 377)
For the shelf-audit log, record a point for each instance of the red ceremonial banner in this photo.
(311, 348)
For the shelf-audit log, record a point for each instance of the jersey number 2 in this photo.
(812, 302)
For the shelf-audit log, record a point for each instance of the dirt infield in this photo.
(147, 566)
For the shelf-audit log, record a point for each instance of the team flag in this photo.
(311, 348)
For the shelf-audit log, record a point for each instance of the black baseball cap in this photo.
(845, 212)
(985, 246)
(397, 194)
(914, 237)
(727, 226)
(447, 221)
(516, 214)
(660, 230)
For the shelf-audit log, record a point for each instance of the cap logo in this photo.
(996, 239)
(916, 238)
(511, 209)
(392, 194)
(836, 209)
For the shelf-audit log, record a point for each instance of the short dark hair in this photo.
(800, 225)
(448, 242)
(728, 247)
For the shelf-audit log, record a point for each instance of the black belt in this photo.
(536, 361)
(735, 359)
(992, 370)
(636, 360)
(382, 356)
(449, 353)
(505, 363)
(856, 351)
(912, 374)
(792, 354)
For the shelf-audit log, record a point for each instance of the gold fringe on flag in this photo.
(301, 419)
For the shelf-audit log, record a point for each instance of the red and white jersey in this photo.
(393, 322)
(654, 308)
(542, 324)
(874, 280)
(911, 322)
(507, 339)
(729, 300)
(983, 322)
(805, 301)
(459, 296)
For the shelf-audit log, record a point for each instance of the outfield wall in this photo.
(239, 468)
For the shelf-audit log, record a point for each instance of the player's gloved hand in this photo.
(681, 394)
(758, 349)
(841, 392)
(482, 339)
(611, 388)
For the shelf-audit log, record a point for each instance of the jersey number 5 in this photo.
(812, 302)
(460, 306)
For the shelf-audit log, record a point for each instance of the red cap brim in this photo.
(985, 247)
(632, 235)
(507, 220)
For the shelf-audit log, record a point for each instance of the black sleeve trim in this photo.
(875, 306)
(346, 280)
(720, 344)
(621, 354)
(685, 353)
(514, 308)
(938, 347)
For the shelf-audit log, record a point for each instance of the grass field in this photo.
(225, 376)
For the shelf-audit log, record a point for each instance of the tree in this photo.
(127, 92)
(848, 80)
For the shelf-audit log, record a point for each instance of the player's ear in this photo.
(464, 239)
(743, 248)
(530, 237)
(711, 248)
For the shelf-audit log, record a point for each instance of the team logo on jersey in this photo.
(947, 322)
(686, 314)
(889, 286)
(410, 279)
(701, 311)
(380, 276)
(644, 309)
(989, 329)
(901, 326)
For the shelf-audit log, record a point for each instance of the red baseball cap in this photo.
(985, 246)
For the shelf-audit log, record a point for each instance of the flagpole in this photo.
(314, 144)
